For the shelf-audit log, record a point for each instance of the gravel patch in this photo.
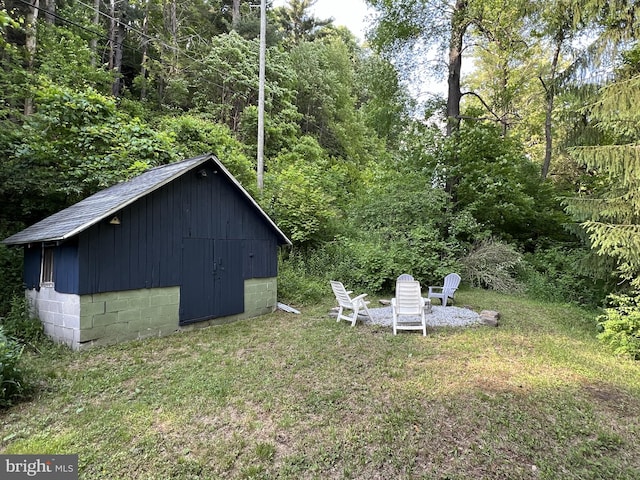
(439, 317)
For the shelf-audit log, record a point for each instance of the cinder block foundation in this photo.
(82, 321)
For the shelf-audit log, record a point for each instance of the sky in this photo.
(349, 13)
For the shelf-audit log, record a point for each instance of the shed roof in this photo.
(105, 203)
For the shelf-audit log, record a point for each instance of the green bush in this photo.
(297, 285)
(10, 274)
(12, 382)
(20, 324)
(500, 186)
(369, 264)
(566, 275)
(620, 325)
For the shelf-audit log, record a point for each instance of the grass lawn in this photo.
(301, 396)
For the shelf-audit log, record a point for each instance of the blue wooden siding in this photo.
(31, 268)
(212, 282)
(65, 268)
(145, 249)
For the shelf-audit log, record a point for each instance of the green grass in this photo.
(301, 396)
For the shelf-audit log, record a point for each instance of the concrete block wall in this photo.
(58, 312)
(115, 317)
(260, 296)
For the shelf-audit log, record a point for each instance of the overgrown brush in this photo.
(492, 265)
(620, 325)
(12, 381)
(567, 275)
(21, 324)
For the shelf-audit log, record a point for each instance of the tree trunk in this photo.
(506, 104)
(116, 40)
(550, 93)
(112, 32)
(116, 88)
(93, 43)
(145, 48)
(30, 46)
(458, 27)
(169, 56)
(235, 14)
(171, 28)
(459, 24)
(50, 11)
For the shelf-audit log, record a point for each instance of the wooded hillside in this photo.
(366, 170)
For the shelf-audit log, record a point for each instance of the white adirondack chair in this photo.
(345, 302)
(448, 290)
(408, 302)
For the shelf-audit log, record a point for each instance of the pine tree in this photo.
(610, 211)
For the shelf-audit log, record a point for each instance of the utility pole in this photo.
(263, 48)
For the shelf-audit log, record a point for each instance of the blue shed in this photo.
(179, 245)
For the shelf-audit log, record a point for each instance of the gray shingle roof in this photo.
(80, 216)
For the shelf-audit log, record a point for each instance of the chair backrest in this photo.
(341, 294)
(405, 277)
(452, 281)
(408, 298)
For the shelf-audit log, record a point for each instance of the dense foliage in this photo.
(12, 384)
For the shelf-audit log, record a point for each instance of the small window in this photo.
(46, 278)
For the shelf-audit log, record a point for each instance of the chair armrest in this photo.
(435, 290)
(359, 297)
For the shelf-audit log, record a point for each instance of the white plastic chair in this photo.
(408, 302)
(345, 302)
(405, 277)
(448, 290)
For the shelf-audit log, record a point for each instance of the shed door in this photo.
(212, 283)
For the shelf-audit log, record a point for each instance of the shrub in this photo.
(296, 285)
(20, 324)
(12, 383)
(10, 274)
(568, 275)
(620, 325)
(492, 265)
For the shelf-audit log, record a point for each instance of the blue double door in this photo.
(212, 280)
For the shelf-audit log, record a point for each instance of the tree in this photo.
(504, 64)
(297, 24)
(406, 26)
(610, 211)
(297, 192)
(385, 102)
(74, 145)
(558, 27)
(499, 187)
(225, 86)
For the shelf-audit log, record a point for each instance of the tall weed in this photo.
(12, 381)
(20, 323)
